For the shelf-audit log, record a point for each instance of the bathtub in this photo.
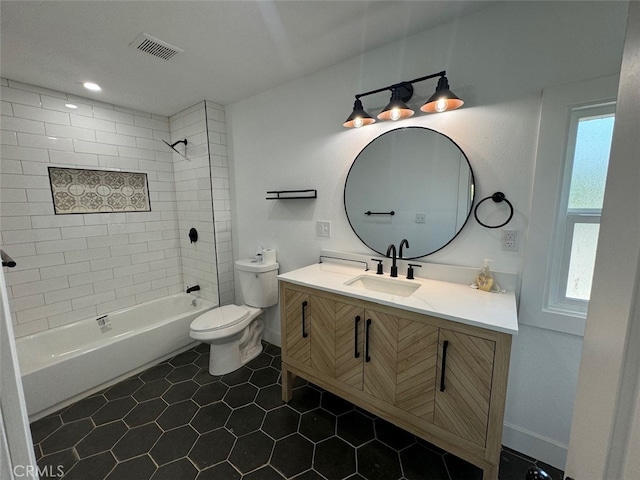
(64, 364)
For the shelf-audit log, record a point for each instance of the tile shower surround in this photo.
(72, 267)
(175, 421)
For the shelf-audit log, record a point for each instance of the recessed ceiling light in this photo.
(70, 105)
(94, 87)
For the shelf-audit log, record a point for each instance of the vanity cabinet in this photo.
(441, 380)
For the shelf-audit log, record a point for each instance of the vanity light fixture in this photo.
(442, 100)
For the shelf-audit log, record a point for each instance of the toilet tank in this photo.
(259, 282)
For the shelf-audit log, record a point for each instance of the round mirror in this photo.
(412, 183)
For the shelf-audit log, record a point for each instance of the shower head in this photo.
(172, 146)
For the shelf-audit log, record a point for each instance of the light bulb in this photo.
(395, 113)
(357, 122)
(441, 105)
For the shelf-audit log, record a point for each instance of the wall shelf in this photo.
(291, 194)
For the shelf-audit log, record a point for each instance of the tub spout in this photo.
(195, 288)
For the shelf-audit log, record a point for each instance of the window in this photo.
(576, 125)
(588, 144)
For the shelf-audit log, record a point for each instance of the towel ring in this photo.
(496, 197)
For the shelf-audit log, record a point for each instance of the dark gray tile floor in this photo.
(176, 422)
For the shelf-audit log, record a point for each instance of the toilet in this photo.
(235, 331)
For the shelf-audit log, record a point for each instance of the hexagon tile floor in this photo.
(175, 421)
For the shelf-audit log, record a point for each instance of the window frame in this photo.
(567, 218)
(540, 262)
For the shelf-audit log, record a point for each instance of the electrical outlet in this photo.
(323, 229)
(421, 217)
(510, 240)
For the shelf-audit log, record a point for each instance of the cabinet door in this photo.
(349, 344)
(309, 330)
(296, 326)
(417, 365)
(381, 342)
(322, 314)
(463, 396)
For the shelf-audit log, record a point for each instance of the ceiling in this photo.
(231, 49)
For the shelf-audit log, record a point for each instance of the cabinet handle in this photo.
(445, 345)
(356, 353)
(304, 307)
(367, 358)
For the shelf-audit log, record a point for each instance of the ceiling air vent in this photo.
(153, 46)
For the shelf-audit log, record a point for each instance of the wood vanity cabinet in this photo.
(441, 380)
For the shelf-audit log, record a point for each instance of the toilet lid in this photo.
(218, 318)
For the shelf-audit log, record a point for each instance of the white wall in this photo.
(71, 267)
(498, 60)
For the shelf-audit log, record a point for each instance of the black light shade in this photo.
(443, 99)
(358, 117)
(396, 109)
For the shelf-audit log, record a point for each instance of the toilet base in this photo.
(230, 356)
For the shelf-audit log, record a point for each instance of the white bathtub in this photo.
(62, 365)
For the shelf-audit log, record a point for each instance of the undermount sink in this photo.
(392, 286)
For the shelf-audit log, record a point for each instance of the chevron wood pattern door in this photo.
(463, 407)
(323, 334)
(298, 347)
(350, 344)
(416, 370)
(380, 368)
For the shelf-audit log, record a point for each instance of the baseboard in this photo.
(534, 445)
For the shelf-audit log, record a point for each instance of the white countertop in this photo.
(451, 301)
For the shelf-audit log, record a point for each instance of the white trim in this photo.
(536, 446)
(609, 379)
(16, 444)
(557, 103)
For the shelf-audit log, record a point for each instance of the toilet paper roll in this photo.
(268, 256)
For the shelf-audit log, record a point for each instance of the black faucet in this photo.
(410, 270)
(402, 243)
(195, 288)
(394, 268)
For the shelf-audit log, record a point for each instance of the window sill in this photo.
(568, 322)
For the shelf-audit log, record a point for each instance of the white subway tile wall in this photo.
(221, 200)
(71, 267)
(193, 186)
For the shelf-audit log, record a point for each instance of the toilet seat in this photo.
(219, 318)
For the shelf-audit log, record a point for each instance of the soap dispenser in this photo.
(484, 280)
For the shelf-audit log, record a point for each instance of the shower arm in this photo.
(172, 146)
